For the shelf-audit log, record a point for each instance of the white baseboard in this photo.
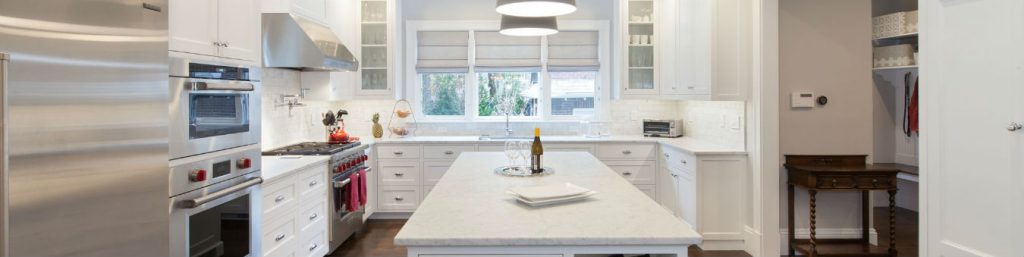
(826, 233)
(390, 215)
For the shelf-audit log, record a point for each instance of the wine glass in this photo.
(524, 151)
(511, 152)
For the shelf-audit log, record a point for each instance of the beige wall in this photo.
(825, 48)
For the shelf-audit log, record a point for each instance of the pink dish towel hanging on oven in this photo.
(353, 192)
(362, 187)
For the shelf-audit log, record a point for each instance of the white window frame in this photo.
(603, 83)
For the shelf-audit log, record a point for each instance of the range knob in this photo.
(244, 163)
(197, 175)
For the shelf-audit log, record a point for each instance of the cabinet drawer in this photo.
(649, 190)
(278, 238)
(679, 159)
(313, 244)
(312, 214)
(398, 151)
(626, 151)
(433, 171)
(312, 182)
(637, 172)
(278, 197)
(404, 198)
(399, 173)
(447, 152)
(836, 182)
(874, 182)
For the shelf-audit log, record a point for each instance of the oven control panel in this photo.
(195, 172)
(351, 162)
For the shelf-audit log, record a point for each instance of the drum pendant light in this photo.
(536, 8)
(528, 26)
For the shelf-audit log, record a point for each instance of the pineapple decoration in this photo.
(378, 130)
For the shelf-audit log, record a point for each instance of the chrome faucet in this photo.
(508, 130)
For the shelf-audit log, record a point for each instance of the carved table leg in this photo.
(892, 223)
(792, 226)
(814, 244)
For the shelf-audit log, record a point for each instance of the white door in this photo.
(193, 26)
(973, 163)
(239, 29)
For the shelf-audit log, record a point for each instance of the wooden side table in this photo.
(840, 173)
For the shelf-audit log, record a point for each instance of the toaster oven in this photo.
(663, 128)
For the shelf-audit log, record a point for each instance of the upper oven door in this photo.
(211, 115)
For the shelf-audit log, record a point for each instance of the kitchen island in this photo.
(469, 213)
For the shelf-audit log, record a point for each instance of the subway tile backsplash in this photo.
(713, 121)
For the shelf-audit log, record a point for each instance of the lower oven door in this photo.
(344, 221)
(220, 220)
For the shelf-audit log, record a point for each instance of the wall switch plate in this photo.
(802, 100)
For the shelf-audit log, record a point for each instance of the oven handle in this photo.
(222, 193)
(343, 183)
(202, 86)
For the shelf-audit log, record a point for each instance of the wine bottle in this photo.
(536, 151)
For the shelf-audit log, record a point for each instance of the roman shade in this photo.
(574, 51)
(497, 52)
(442, 51)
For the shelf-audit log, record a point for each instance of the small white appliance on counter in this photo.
(663, 128)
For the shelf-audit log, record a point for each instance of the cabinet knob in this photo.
(278, 238)
(835, 182)
(666, 156)
(399, 153)
(313, 216)
(627, 152)
(449, 152)
(399, 198)
(313, 247)
(399, 174)
(217, 44)
(683, 161)
(627, 173)
(224, 44)
(279, 199)
(874, 182)
(312, 183)
(1014, 126)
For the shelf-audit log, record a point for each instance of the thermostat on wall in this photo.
(803, 100)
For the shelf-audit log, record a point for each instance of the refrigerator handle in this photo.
(4, 199)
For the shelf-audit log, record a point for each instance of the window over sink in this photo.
(467, 71)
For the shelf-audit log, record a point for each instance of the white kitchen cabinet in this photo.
(295, 213)
(707, 193)
(645, 31)
(314, 10)
(221, 28)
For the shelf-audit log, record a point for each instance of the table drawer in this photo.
(640, 151)
(875, 182)
(398, 151)
(399, 173)
(312, 214)
(836, 182)
(313, 244)
(447, 152)
(637, 172)
(278, 238)
(403, 198)
(278, 197)
(312, 182)
(433, 171)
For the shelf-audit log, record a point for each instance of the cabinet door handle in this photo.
(224, 44)
(279, 199)
(313, 247)
(399, 153)
(399, 174)
(627, 152)
(313, 216)
(449, 152)
(627, 173)
(278, 238)
(666, 156)
(1014, 126)
(217, 44)
(312, 183)
(683, 161)
(399, 198)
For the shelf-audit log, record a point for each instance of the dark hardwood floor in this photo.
(377, 238)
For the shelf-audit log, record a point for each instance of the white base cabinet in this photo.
(294, 214)
(707, 192)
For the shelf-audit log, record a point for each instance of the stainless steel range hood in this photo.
(293, 42)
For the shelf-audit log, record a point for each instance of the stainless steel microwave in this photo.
(214, 106)
(663, 128)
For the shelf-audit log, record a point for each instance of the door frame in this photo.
(763, 131)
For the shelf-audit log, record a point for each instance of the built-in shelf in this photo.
(641, 23)
(641, 68)
(904, 36)
(896, 68)
(641, 45)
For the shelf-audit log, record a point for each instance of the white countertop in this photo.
(686, 144)
(276, 166)
(469, 207)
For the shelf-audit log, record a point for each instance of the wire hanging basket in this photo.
(399, 124)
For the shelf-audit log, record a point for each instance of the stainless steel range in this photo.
(346, 159)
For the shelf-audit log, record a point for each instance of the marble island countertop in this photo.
(469, 207)
(686, 144)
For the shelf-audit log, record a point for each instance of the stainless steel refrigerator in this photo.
(85, 124)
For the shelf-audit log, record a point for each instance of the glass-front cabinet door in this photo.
(640, 22)
(375, 78)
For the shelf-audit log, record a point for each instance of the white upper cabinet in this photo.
(240, 38)
(223, 28)
(315, 10)
(685, 49)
